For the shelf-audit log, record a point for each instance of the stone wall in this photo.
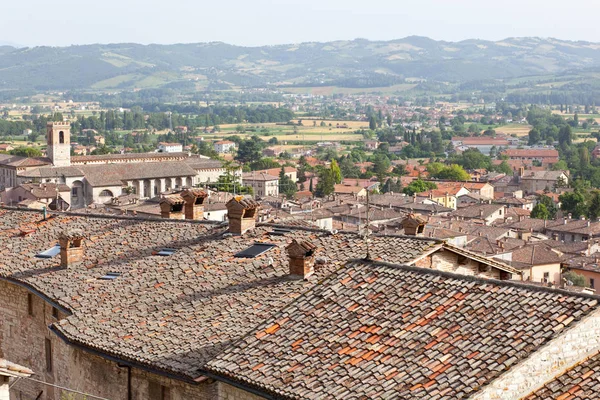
(228, 392)
(447, 261)
(23, 341)
(568, 349)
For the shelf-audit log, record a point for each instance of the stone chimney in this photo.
(171, 207)
(413, 224)
(194, 203)
(302, 258)
(242, 213)
(71, 248)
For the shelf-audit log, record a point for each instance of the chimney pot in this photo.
(71, 248)
(301, 258)
(194, 203)
(242, 213)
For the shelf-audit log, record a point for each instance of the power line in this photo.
(64, 388)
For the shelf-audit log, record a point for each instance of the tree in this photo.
(534, 137)
(249, 150)
(504, 168)
(419, 186)
(372, 123)
(540, 212)
(594, 205)
(549, 204)
(381, 165)
(286, 185)
(454, 172)
(326, 185)
(310, 186)
(573, 203)
(23, 151)
(565, 135)
(336, 172)
(574, 278)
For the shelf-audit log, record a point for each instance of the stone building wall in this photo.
(447, 261)
(565, 351)
(228, 392)
(23, 341)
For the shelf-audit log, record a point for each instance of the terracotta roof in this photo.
(115, 174)
(531, 153)
(258, 176)
(16, 161)
(172, 313)
(348, 189)
(381, 331)
(534, 254)
(581, 381)
(44, 190)
(125, 157)
(477, 211)
(13, 370)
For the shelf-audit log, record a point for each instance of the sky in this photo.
(268, 22)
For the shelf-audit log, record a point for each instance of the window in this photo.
(156, 391)
(167, 251)
(51, 252)
(30, 304)
(546, 276)
(48, 348)
(106, 193)
(61, 137)
(75, 192)
(255, 250)
(55, 312)
(592, 283)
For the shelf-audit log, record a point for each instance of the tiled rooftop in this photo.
(579, 382)
(378, 331)
(173, 312)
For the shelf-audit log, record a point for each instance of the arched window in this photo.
(106, 193)
(61, 137)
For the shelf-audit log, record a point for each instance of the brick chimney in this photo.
(194, 203)
(71, 248)
(171, 207)
(413, 224)
(302, 258)
(242, 213)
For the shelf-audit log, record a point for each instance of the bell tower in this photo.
(59, 143)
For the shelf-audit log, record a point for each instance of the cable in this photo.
(64, 388)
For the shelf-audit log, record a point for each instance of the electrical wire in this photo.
(64, 388)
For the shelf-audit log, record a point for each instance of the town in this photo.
(187, 214)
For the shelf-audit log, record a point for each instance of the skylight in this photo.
(110, 276)
(255, 250)
(51, 252)
(167, 251)
(279, 231)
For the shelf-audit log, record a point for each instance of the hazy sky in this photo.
(260, 22)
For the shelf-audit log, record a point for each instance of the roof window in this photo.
(110, 276)
(51, 252)
(167, 251)
(255, 250)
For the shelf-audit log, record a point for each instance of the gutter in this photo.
(239, 385)
(37, 293)
(121, 361)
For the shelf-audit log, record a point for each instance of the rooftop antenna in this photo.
(368, 257)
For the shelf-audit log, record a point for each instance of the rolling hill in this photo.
(356, 63)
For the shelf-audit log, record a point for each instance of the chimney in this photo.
(171, 207)
(194, 203)
(242, 212)
(302, 258)
(413, 224)
(71, 248)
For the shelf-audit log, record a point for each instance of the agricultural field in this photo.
(331, 90)
(514, 129)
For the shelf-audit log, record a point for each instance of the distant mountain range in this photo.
(356, 63)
